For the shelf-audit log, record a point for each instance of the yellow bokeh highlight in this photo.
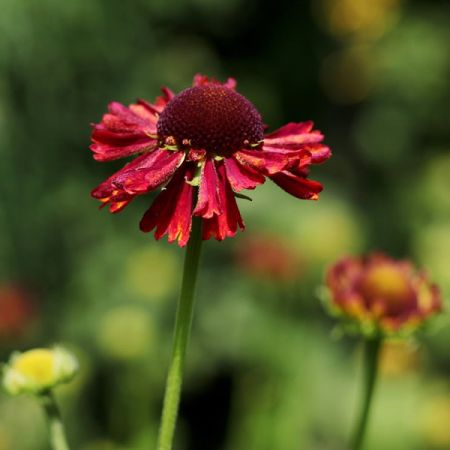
(5, 439)
(326, 232)
(348, 75)
(432, 247)
(436, 420)
(357, 18)
(399, 358)
(126, 333)
(152, 273)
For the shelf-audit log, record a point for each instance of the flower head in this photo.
(202, 147)
(267, 258)
(381, 295)
(17, 311)
(37, 370)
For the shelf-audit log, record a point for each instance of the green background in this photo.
(264, 369)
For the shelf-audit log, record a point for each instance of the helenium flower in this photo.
(381, 295)
(208, 136)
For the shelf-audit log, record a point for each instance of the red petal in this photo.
(160, 102)
(103, 152)
(134, 117)
(155, 170)
(319, 152)
(297, 186)
(292, 135)
(171, 212)
(141, 175)
(242, 176)
(208, 202)
(124, 131)
(201, 80)
(266, 162)
(226, 224)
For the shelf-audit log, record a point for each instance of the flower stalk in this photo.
(58, 440)
(182, 330)
(371, 360)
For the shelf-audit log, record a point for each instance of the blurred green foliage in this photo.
(263, 371)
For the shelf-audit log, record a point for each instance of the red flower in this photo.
(16, 311)
(382, 294)
(207, 136)
(267, 257)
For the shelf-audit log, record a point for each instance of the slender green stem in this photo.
(182, 328)
(57, 434)
(371, 358)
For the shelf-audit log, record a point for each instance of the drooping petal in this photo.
(242, 176)
(117, 200)
(201, 80)
(294, 133)
(319, 152)
(266, 162)
(208, 202)
(227, 223)
(297, 186)
(123, 131)
(155, 170)
(141, 175)
(298, 136)
(171, 211)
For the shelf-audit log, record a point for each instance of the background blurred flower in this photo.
(16, 311)
(380, 294)
(38, 370)
(268, 257)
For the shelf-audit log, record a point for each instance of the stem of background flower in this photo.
(57, 434)
(182, 328)
(371, 358)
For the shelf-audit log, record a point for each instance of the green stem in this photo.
(371, 358)
(182, 328)
(57, 434)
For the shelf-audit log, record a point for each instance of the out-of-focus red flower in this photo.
(267, 257)
(208, 136)
(382, 294)
(16, 311)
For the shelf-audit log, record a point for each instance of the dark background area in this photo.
(265, 370)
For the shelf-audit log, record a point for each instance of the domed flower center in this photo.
(211, 117)
(388, 285)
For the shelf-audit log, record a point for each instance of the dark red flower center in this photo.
(211, 117)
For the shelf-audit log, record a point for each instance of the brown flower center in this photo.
(211, 117)
(388, 285)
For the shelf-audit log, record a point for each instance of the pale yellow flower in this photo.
(37, 370)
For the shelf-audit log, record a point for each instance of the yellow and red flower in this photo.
(380, 294)
(208, 136)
